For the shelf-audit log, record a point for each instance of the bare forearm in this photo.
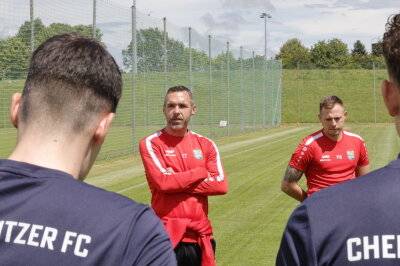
(362, 170)
(294, 191)
(289, 183)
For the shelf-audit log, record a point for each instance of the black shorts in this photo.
(189, 254)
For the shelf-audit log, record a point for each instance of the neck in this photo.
(55, 152)
(334, 137)
(176, 132)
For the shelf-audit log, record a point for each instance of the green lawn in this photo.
(249, 220)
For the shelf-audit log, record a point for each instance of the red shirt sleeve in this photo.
(302, 156)
(216, 184)
(363, 155)
(157, 174)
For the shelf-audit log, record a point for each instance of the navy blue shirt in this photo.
(49, 218)
(353, 223)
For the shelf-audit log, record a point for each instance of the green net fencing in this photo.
(359, 89)
(236, 90)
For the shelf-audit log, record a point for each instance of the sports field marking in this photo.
(129, 188)
(238, 144)
(258, 147)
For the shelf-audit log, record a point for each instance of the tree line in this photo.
(151, 55)
(15, 52)
(330, 54)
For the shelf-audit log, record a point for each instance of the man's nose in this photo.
(176, 110)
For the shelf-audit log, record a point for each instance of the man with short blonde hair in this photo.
(355, 222)
(328, 156)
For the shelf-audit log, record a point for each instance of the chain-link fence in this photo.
(236, 90)
(358, 88)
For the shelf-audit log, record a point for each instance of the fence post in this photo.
(254, 94)
(297, 77)
(373, 69)
(264, 88)
(165, 53)
(134, 70)
(241, 88)
(32, 26)
(190, 59)
(4, 99)
(210, 85)
(228, 69)
(94, 20)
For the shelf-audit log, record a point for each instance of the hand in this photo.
(170, 170)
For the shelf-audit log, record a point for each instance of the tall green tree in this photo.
(359, 56)
(150, 53)
(24, 31)
(331, 54)
(293, 52)
(42, 32)
(376, 49)
(221, 61)
(59, 28)
(14, 57)
(358, 49)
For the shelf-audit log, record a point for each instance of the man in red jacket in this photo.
(182, 169)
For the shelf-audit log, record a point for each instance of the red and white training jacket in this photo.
(182, 196)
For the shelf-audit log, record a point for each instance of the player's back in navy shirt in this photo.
(49, 218)
(353, 223)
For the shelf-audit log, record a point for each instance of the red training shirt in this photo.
(326, 162)
(182, 194)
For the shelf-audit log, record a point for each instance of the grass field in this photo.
(249, 220)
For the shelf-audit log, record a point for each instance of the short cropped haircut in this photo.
(176, 89)
(71, 79)
(329, 102)
(391, 46)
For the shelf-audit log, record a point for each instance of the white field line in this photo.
(257, 147)
(238, 144)
(129, 188)
(231, 146)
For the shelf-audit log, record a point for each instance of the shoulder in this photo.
(310, 139)
(152, 138)
(352, 135)
(202, 139)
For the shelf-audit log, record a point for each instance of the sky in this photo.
(236, 21)
(239, 22)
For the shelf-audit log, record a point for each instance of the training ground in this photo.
(248, 222)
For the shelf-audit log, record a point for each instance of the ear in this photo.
(390, 96)
(345, 115)
(102, 129)
(15, 102)
(194, 109)
(319, 117)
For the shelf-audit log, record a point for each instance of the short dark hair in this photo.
(391, 46)
(70, 79)
(329, 102)
(179, 88)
